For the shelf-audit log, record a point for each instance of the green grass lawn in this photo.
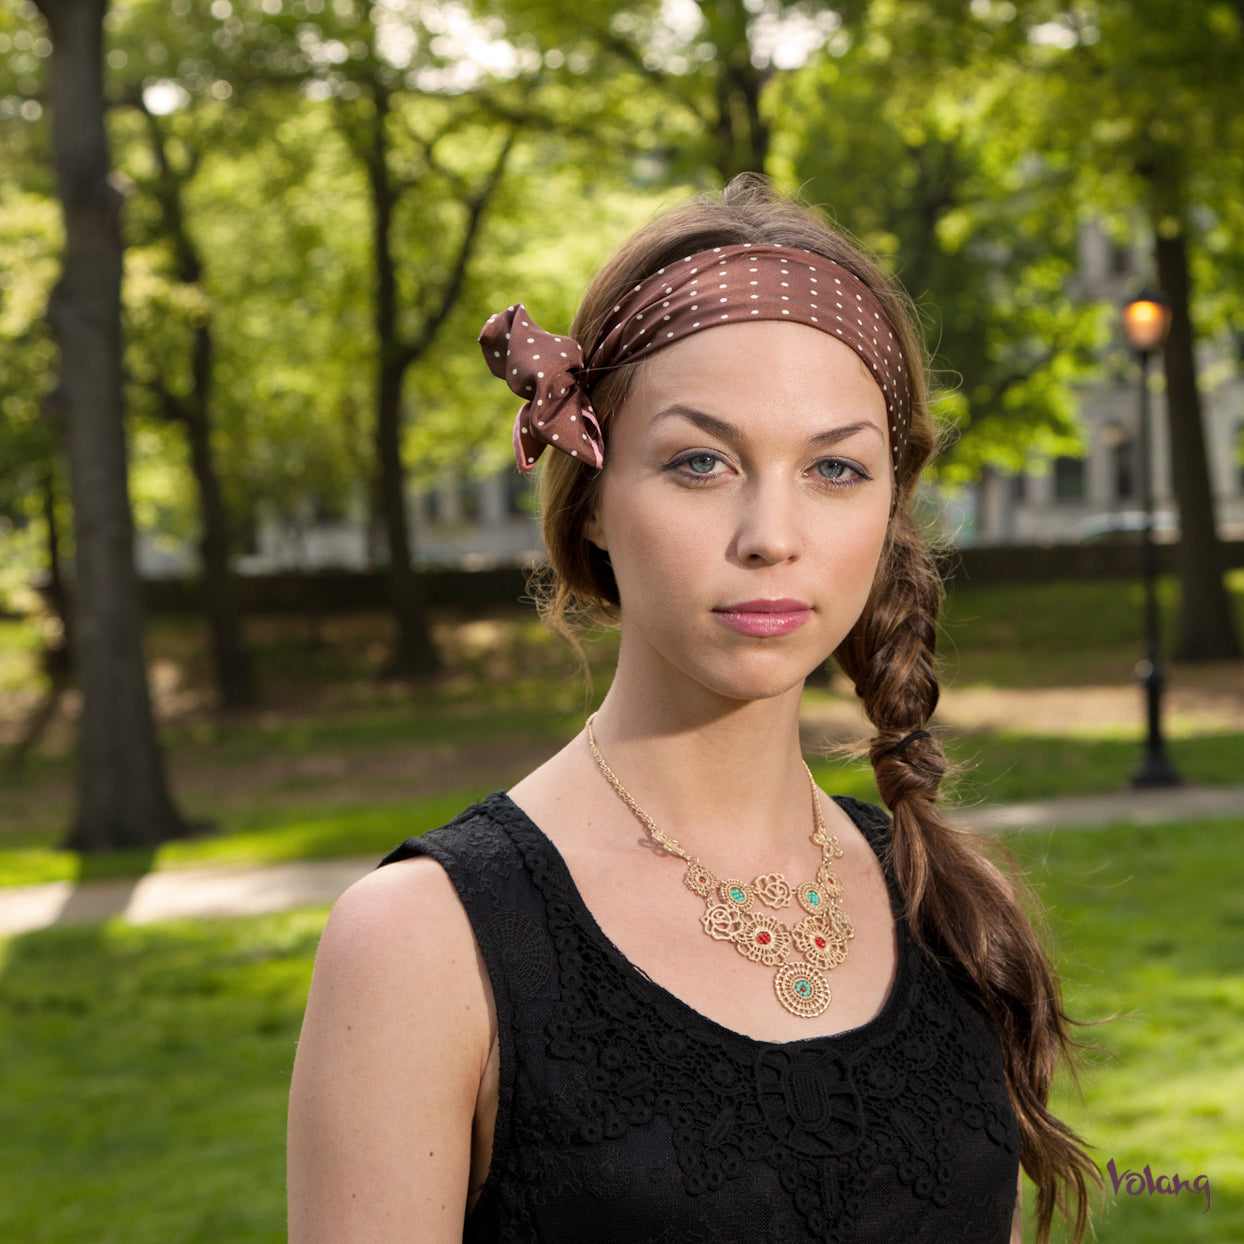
(1148, 928)
(147, 1068)
(146, 1077)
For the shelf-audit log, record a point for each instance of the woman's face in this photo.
(744, 505)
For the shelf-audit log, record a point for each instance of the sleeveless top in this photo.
(627, 1117)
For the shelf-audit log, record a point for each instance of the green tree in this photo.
(915, 132)
(433, 160)
(403, 338)
(1160, 81)
(430, 161)
(185, 395)
(33, 505)
(685, 87)
(123, 797)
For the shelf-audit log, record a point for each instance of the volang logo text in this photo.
(1134, 1183)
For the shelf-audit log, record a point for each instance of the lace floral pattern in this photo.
(619, 1094)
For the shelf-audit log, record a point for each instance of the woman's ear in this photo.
(595, 532)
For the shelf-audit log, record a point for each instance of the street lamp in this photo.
(1146, 321)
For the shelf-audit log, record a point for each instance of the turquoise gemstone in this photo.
(737, 895)
(814, 898)
(803, 988)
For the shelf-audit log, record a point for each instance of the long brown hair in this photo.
(962, 905)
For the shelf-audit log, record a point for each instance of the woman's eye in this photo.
(702, 464)
(835, 471)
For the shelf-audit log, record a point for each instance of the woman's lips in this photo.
(764, 617)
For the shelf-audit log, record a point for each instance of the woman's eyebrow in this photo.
(724, 430)
(834, 435)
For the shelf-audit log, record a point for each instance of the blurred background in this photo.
(264, 556)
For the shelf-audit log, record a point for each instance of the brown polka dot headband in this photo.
(726, 285)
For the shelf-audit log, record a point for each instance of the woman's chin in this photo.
(746, 681)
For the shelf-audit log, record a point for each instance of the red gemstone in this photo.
(820, 942)
(764, 938)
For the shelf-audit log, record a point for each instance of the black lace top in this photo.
(625, 1116)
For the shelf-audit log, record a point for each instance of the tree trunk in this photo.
(414, 655)
(741, 135)
(58, 655)
(1206, 629)
(122, 794)
(235, 672)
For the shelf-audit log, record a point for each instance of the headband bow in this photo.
(545, 370)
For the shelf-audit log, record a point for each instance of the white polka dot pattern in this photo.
(728, 284)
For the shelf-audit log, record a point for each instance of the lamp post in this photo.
(1146, 321)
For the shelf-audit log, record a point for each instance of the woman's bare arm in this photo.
(1017, 1218)
(397, 1034)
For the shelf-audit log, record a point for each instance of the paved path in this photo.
(241, 891)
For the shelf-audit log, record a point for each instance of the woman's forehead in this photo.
(757, 365)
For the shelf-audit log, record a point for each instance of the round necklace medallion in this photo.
(801, 990)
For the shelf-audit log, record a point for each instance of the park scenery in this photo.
(268, 581)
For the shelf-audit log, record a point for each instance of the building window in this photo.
(444, 503)
(1120, 258)
(519, 495)
(1123, 469)
(246, 532)
(326, 509)
(469, 500)
(1069, 479)
(1122, 454)
(424, 509)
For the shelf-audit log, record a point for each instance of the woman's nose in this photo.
(768, 526)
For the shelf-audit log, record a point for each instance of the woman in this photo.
(566, 1016)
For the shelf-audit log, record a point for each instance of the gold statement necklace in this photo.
(730, 913)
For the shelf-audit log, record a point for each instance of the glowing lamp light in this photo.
(1146, 321)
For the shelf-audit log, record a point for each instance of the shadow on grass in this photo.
(105, 885)
(149, 1074)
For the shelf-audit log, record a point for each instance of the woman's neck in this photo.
(722, 776)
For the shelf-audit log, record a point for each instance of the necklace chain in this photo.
(730, 914)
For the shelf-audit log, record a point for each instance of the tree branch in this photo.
(630, 54)
(171, 406)
(476, 205)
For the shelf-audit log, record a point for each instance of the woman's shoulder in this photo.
(870, 819)
(402, 923)
(479, 831)
(417, 888)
